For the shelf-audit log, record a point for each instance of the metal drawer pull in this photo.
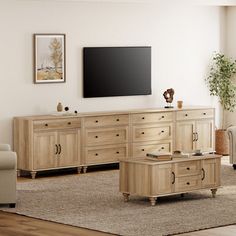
(96, 121)
(96, 136)
(56, 149)
(162, 148)
(186, 114)
(143, 118)
(46, 124)
(117, 135)
(117, 152)
(204, 113)
(173, 174)
(143, 150)
(59, 145)
(69, 123)
(143, 133)
(188, 168)
(204, 174)
(96, 154)
(188, 183)
(117, 119)
(163, 117)
(196, 136)
(162, 131)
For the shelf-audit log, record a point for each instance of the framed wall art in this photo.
(49, 58)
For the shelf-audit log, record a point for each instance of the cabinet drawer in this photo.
(195, 114)
(56, 124)
(151, 133)
(188, 168)
(97, 121)
(152, 117)
(106, 136)
(188, 183)
(141, 150)
(111, 153)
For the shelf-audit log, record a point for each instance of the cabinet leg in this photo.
(33, 174)
(79, 169)
(126, 197)
(18, 173)
(213, 192)
(153, 200)
(85, 169)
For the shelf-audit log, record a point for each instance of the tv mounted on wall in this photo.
(116, 71)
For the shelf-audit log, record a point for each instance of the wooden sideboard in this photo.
(62, 141)
(153, 179)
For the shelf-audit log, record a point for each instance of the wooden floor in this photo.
(16, 225)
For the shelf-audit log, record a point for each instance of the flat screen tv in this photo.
(116, 71)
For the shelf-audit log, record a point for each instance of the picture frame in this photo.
(49, 58)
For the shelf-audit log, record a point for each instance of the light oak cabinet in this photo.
(154, 179)
(53, 142)
(195, 130)
(45, 143)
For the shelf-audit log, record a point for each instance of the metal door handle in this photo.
(59, 145)
(56, 149)
(204, 174)
(173, 177)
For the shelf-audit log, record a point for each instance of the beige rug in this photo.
(93, 201)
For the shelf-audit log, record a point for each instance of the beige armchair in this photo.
(7, 175)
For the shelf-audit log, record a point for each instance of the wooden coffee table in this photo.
(153, 179)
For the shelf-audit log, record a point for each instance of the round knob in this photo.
(143, 118)
(186, 114)
(96, 121)
(117, 152)
(117, 135)
(117, 119)
(204, 113)
(46, 124)
(69, 123)
(162, 148)
(163, 117)
(188, 183)
(143, 150)
(162, 131)
(142, 132)
(96, 154)
(188, 168)
(96, 136)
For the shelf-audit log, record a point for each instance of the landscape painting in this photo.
(49, 58)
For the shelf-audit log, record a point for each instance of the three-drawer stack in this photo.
(151, 132)
(105, 138)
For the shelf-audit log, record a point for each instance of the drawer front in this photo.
(143, 118)
(56, 124)
(106, 154)
(188, 168)
(151, 133)
(97, 121)
(195, 114)
(106, 136)
(141, 150)
(188, 183)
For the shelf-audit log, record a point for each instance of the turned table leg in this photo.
(213, 192)
(79, 169)
(85, 169)
(153, 200)
(33, 174)
(126, 197)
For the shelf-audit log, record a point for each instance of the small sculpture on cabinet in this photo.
(169, 96)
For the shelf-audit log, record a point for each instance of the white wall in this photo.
(231, 50)
(182, 37)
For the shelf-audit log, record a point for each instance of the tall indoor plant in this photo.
(220, 83)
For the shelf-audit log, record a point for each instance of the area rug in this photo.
(93, 201)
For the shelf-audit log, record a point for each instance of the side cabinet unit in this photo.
(47, 143)
(195, 130)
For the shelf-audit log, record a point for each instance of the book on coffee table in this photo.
(159, 156)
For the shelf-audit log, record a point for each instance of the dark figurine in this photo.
(169, 96)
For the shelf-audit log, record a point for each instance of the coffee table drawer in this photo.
(187, 183)
(188, 168)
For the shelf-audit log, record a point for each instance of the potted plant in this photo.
(220, 84)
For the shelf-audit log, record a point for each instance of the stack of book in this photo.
(159, 156)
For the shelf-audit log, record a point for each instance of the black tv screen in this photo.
(116, 71)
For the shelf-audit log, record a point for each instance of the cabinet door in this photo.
(68, 143)
(204, 135)
(210, 173)
(184, 136)
(162, 181)
(44, 150)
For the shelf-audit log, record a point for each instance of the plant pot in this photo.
(222, 142)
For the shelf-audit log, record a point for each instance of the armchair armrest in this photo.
(7, 160)
(5, 147)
